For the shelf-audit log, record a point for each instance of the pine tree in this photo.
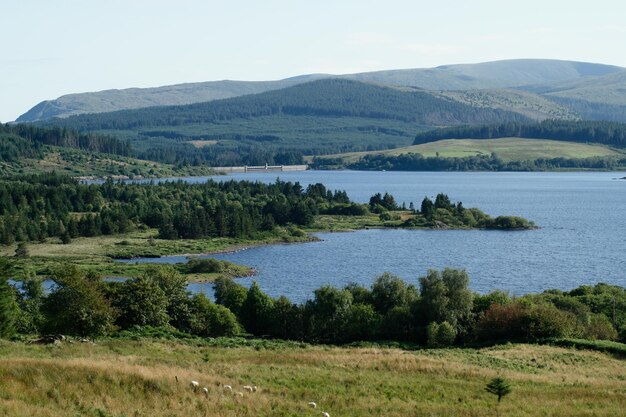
(498, 386)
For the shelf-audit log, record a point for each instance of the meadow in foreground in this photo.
(138, 378)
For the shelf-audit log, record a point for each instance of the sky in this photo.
(51, 48)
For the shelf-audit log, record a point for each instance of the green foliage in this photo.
(37, 207)
(8, 304)
(229, 294)
(525, 321)
(211, 320)
(390, 291)
(445, 296)
(31, 318)
(499, 387)
(21, 251)
(77, 305)
(440, 334)
(204, 266)
(328, 314)
(256, 311)
(141, 302)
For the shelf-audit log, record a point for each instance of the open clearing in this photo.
(137, 378)
(508, 149)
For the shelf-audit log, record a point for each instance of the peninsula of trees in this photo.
(35, 208)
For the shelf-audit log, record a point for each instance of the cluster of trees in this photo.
(442, 213)
(82, 304)
(607, 133)
(64, 137)
(13, 148)
(40, 206)
(221, 154)
(440, 311)
(417, 162)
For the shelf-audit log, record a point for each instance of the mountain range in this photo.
(535, 88)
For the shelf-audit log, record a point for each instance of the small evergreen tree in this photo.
(498, 386)
(21, 251)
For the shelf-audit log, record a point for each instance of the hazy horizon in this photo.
(69, 47)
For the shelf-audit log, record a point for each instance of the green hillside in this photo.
(27, 149)
(320, 117)
(508, 149)
(329, 97)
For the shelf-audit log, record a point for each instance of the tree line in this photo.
(438, 309)
(64, 137)
(603, 132)
(36, 207)
(418, 162)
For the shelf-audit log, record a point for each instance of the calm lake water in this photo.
(582, 238)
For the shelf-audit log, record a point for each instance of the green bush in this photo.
(205, 266)
(440, 334)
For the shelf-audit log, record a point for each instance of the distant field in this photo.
(117, 378)
(202, 143)
(508, 149)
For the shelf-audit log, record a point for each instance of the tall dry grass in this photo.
(137, 378)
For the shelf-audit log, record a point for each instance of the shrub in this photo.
(205, 266)
(440, 334)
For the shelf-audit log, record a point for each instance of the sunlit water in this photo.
(582, 238)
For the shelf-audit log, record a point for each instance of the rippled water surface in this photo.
(582, 239)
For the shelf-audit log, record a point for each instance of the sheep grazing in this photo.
(312, 404)
(239, 394)
(195, 385)
(206, 391)
(325, 414)
(249, 388)
(228, 388)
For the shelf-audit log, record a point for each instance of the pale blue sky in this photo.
(50, 48)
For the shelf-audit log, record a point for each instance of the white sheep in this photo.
(325, 414)
(228, 388)
(312, 404)
(249, 388)
(239, 394)
(195, 385)
(206, 391)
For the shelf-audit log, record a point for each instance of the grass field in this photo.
(98, 253)
(508, 149)
(118, 378)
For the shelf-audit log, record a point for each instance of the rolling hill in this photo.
(490, 75)
(322, 116)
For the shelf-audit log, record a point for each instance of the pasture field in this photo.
(123, 377)
(508, 149)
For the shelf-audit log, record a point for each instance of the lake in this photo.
(581, 239)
